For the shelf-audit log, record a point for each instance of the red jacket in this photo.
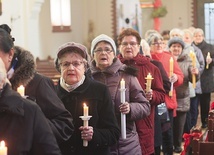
(164, 59)
(145, 127)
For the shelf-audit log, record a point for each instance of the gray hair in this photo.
(154, 37)
(198, 30)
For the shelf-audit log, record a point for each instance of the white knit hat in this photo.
(100, 38)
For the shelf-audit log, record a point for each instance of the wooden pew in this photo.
(46, 67)
(204, 145)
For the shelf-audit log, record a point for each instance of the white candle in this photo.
(122, 87)
(85, 122)
(21, 90)
(123, 116)
(3, 148)
(85, 110)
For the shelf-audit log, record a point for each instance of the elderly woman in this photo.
(74, 89)
(129, 46)
(155, 42)
(192, 115)
(22, 71)
(108, 69)
(176, 46)
(207, 80)
(24, 128)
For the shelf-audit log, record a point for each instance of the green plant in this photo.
(159, 12)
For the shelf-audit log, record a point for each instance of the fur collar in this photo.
(25, 68)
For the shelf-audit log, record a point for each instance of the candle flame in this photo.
(2, 143)
(84, 105)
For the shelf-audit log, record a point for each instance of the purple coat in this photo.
(145, 127)
(135, 95)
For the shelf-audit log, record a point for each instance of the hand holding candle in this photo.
(171, 70)
(85, 119)
(3, 148)
(208, 57)
(148, 82)
(193, 57)
(21, 90)
(123, 116)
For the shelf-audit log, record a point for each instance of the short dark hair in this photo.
(128, 32)
(6, 28)
(6, 41)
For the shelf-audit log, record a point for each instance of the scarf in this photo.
(68, 87)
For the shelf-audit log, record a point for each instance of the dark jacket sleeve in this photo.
(165, 78)
(44, 142)
(108, 133)
(59, 118)
(157, 87)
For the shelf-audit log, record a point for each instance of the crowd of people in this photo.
(84, 113)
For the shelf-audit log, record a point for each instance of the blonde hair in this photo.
(179, 33)
(187, 31)
(145, 47)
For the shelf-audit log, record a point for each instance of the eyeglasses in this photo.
(157, 43)
(132, 44)
(67, 64)
(107, 50)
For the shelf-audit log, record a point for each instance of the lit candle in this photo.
(21, 90)
(208, 57)
(85, 110)
(123, 116)
(171, 70)
(3, 148)
(148, 82)
(192, 56)
(85, 121)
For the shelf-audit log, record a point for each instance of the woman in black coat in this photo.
(23, 125)
(41, 90)
(21, 71)
(76, 88)
(207, 77)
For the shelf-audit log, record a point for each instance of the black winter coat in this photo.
(42, 90)
(207, 77)
(23, 126)
(103, 120)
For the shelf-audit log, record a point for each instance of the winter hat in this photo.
(100, 38)
(70, 46)
(176, 40)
